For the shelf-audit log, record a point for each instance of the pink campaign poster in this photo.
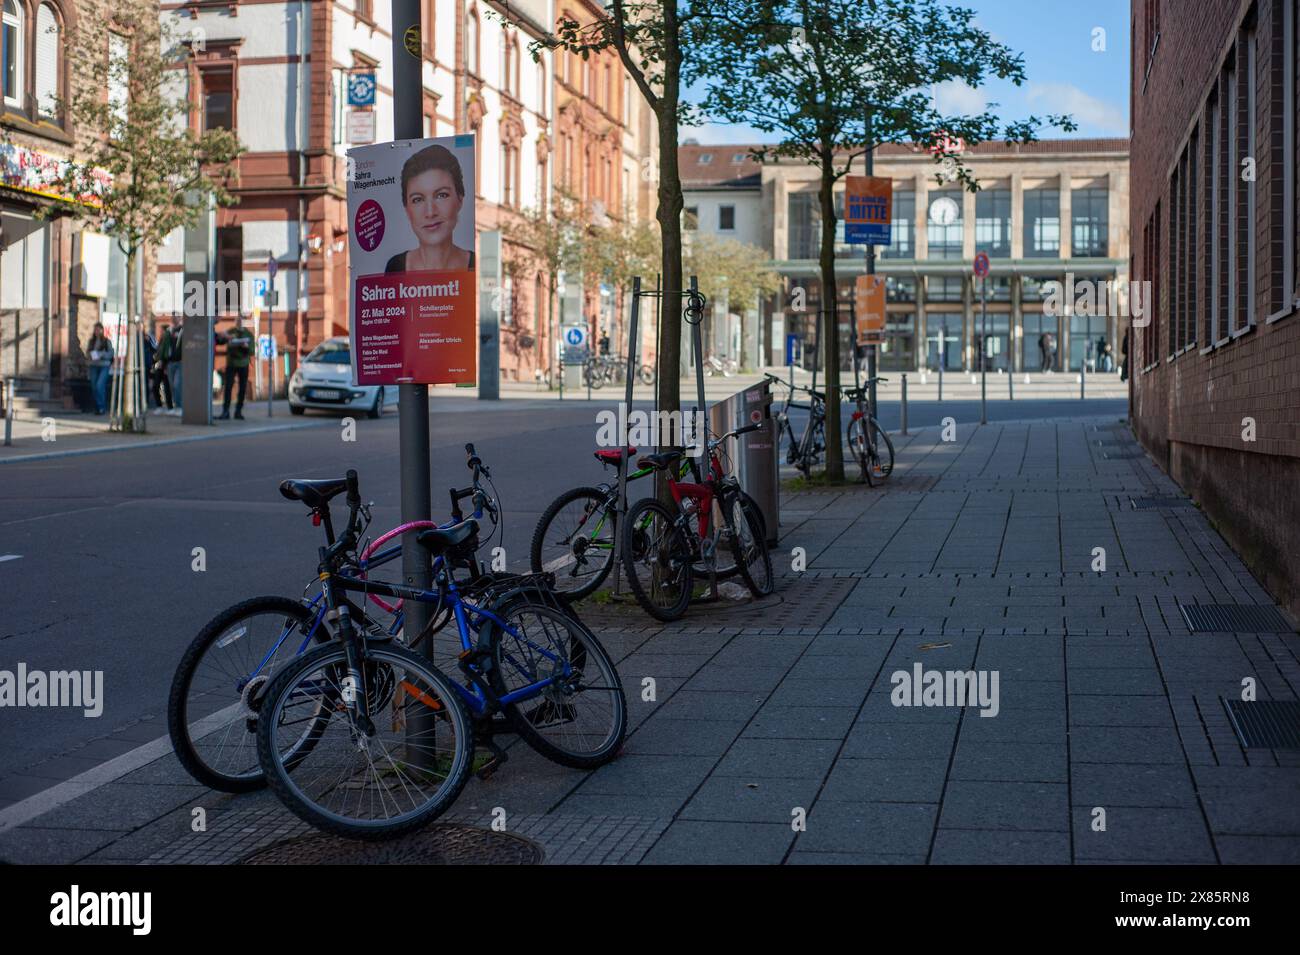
(414, 296)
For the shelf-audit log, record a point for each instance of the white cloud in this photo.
(955, 98)
(725, 134)
(1092, 114)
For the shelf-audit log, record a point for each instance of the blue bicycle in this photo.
(365, 738)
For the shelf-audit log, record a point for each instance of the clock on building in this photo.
(944, 211)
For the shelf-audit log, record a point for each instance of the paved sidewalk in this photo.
(772, 736)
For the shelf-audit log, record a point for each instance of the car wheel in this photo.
(296, 409)
(378, 409)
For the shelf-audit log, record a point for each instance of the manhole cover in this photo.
(1150, 503)
(1234, 618)
(435, 845)
(1266, 724)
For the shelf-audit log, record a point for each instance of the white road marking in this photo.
(564, 560)
(5, 557)
(105, 773)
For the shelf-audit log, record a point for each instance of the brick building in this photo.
(1214, 211)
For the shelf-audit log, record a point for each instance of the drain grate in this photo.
(1265, 724)
(1234, 618)
(436, 845)
(1150, 503)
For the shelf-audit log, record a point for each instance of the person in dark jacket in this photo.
(100, 352)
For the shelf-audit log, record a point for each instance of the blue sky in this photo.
(1063, 73)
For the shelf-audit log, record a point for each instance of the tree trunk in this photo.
(552, 333)
(830, 321)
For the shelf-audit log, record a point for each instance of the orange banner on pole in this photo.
(868, 202)
(869, 309)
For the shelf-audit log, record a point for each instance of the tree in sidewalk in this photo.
(812, 70)
(163, 172)
(656, 42)
(731, 271)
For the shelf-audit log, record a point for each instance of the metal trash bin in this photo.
(754, 455)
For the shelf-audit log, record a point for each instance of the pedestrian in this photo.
(1123, 357)
(1047, 350)
(239, 351)
(160, 386)
(146, 372)
(100, 351)
(173, 367)
(1105, 360)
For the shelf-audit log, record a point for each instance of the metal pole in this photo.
(984, 348)
(270, 329)
(1011, 372)
(9, 412)
(624, 459)
(270, 384)
(699, 355)
(941, 361)
(904, 405)
(870, 163)
(1083, 368)
(412, 400)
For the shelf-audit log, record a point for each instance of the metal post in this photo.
(941, 361)
(270, 383)
(869, 161)
(624, 459)
(270, 330)
(1011, 373)
(412, 400)
(9, 411)
(984, 348)
(904, 405)
(1083, 368)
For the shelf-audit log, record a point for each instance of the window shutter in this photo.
(47, 60)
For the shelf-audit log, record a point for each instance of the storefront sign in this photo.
(39, 173)
(869, 309)
(414, 305)
(867, 202)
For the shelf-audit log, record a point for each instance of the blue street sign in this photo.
(259, 288)
(361, 89)
(266, 346)
(575, 336)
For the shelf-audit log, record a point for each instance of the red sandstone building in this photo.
(1213, 211)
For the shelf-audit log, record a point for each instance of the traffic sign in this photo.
(361, 126)
(361, 89)
(266, 346)
(272, 266)
(259, 292)
(981, 264)
(575, 336)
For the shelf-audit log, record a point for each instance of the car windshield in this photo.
(331, 354)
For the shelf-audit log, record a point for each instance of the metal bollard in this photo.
(1011, 382)
(903, 409)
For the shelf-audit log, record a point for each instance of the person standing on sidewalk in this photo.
(160, 386)
(173, 366)
(239, 351)
(100, 351)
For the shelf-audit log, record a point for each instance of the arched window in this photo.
(541, 88)
(507, 66)
(11, 56)
(49, 55)
(471, 42)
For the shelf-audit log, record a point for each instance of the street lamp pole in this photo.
(871, 270)
(412, 400)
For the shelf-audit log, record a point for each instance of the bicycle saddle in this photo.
(313, 493)
(661, 460)
(439, 539)
(614, 455)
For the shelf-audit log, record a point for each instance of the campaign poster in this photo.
(869, 308)
(867, 208)
(413, 301)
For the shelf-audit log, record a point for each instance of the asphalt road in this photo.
(104, 577)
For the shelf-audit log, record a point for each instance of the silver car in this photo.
(324, 381)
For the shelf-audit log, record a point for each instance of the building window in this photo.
(1038, 342)
(509, 172)
(944, 288)
(541, 88)
(49, 54)
(12, 55)
(1282, 167)
(945, 240)
(900, 289)
(542, 190)
(902, 227)
(706, 158)
(1042, 223)
(993, 222)
(804, 219)
(691, 218)
(1242, 253)
(627, 101)
(230, 263)
(726, 218)
(608, 92)
(218, 92)
(1089, 223)
(471, 42)
(898, 353)
(365, 9)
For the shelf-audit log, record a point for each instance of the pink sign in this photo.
(369, 225)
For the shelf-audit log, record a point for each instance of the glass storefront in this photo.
(996, 349)
(1087, 330)
(898, 353)
(945, 328)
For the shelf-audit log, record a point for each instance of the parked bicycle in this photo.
(661, 548)
(868, 441)
(607, 369)
(726, 367)
(870, 445)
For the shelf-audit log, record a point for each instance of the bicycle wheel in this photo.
(647, 375)
(749, 544)
(882, 457)
(407, 770)
(579, 719)
(595, 376)
(216, 691)
(575, 540)
(657, 560)
(860, 447)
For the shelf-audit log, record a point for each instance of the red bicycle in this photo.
(660, 548)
